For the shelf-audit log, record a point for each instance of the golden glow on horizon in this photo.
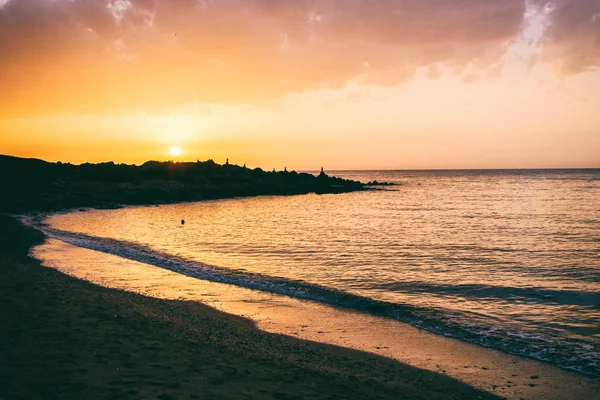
(475, 84)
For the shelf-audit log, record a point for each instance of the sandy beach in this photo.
(67, 338)
(499, 373)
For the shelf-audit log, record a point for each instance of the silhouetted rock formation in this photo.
(31, 184)
(376, 183)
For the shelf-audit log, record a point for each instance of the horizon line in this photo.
(332, 169)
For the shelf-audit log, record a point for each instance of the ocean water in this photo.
(504, 259)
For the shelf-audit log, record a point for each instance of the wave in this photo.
(533, 295)
(570, 354)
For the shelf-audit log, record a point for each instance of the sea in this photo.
(508, 259)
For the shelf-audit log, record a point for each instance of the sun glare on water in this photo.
(175, 151)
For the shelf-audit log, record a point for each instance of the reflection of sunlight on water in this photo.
(317, 322)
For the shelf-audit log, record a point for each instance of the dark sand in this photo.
(61, 337)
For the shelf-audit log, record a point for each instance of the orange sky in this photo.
(303, 84)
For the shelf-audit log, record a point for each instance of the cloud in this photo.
(119, 8)
(155, 54)
(572, 37)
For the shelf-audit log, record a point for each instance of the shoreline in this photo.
(180, 266)
(484, 368)
(64, 337)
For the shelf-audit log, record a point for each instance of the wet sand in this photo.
(486, 369)
(63, 337)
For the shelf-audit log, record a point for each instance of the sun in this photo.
(175, 151)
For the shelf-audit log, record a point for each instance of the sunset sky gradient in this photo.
(344, 84)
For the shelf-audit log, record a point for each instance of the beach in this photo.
(486, 369)
(66, 338)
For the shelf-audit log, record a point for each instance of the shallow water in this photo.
(507, 259)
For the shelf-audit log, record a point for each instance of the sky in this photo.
(343, 84)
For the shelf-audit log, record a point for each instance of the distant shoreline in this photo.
(31, 185)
